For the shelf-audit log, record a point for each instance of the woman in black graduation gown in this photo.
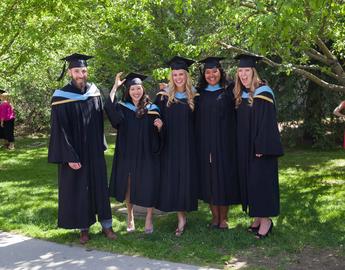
(216, 141)
(178, 188)
(259, 146)
(135, 172)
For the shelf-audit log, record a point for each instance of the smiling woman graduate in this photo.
(215, 128)
(135, 172)
(178, 188)
(259, 146)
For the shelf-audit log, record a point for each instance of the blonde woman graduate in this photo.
(135, 171)
(178, 187)
(259, 146)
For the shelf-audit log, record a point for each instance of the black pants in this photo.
(7, 131)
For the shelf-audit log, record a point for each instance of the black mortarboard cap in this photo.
(178, 62)
(211, 62)
(134, 79)
(74, 60)
(247, 60)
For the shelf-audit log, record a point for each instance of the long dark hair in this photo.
(202, 83)
(144, 100)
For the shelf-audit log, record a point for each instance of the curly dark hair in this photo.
(202, 83)
(143, 102)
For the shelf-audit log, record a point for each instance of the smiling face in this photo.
(179, 78)
(212, 76)
(246, 76)
(79, 76)
(136, 92)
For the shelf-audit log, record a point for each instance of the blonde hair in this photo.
(256, 82)
(172, 91)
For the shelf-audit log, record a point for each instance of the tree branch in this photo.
(10, 10)
(314, 54)
(9, 44)
(252, 5)
(325, 49)
(335, 65)
(305, 73)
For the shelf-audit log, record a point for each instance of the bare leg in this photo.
(130, 216)
(265, 225)
(148, 221)
(215, 215)
(182, 221)
(223, 217)
(256, 222)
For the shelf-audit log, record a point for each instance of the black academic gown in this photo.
(77, 136)
(178, 186)
(136, 155)
(215, 128)
(257, 133)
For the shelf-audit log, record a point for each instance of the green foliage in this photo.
(142, 35)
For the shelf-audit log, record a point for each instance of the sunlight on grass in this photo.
(312, 211)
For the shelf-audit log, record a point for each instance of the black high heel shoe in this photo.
(261, 236)
(252, 229)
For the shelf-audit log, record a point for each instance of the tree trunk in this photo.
(312, 124)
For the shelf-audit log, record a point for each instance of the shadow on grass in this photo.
(311, 212)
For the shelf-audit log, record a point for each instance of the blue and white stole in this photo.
(260, 90)
(93, 91)
(213, 88)
(151, 108)
(180, 95)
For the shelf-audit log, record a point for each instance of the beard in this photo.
(80, 84)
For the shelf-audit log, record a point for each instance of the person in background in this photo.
(258, 146)
(7, 118)
(77, 145)
(178, 184)
(338, 112)
(215, 131)
(135, 172)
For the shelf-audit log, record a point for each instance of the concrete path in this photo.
(23, 253)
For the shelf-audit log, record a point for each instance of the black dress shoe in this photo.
(212, 226)
(261, 236)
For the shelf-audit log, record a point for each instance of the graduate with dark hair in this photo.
(178, 187)
(135, 172)
(259, 146)
(77, 145)
(215, 129)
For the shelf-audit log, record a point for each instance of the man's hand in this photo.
(74, 165)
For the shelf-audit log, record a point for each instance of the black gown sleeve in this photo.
(160, 135)
(114, 112)
(267, 138)
(61, 149)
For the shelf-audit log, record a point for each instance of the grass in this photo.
(312, 213)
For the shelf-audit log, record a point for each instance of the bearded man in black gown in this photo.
(77, 145)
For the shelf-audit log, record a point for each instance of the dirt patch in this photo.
(308, 258)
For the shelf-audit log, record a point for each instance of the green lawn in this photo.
(312, 214)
